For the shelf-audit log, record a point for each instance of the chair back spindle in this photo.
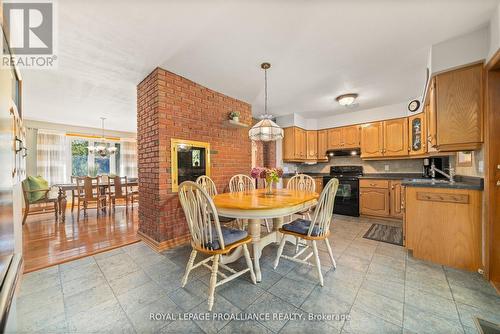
(301, 182)
(208, 184)
(241, 182)
(201, 216)
(324, 209)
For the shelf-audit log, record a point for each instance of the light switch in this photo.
(480, 166)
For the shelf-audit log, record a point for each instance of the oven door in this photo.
(347, 197)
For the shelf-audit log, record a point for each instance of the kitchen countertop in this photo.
(461, 182)
(288, 175)
(391, 176)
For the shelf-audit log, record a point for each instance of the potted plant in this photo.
(271, 175)
(234, 116)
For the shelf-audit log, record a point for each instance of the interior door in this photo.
(396, 137)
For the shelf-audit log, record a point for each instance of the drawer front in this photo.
(443, 197)
(365, 183)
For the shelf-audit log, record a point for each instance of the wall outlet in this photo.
(387, 168)
(480, 166)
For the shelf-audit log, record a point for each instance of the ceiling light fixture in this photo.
(102, 149)
(265, 129)
(346, 99)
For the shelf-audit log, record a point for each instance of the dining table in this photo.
(64, 187)
(254, 206)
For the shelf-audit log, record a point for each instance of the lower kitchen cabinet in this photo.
(395, 200)
(444, 226)
(380, 198)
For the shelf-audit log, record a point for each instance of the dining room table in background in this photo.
(256, 205)
(64, 187)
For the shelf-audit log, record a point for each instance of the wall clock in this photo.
(413, 105)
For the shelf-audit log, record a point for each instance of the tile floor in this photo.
(380, 287)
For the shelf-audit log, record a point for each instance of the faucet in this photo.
(450, 176)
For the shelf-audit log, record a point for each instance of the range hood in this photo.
(342, 153)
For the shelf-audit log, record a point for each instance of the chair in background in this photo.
(36, 191)
(209, 186)
(119, 189)
(89, 192)
(312, 230)
(74, 193)
(210, 238)
(242, 182)
(301, 182)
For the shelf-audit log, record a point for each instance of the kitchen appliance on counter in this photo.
(347, 198)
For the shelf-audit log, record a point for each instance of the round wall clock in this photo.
(413, 105)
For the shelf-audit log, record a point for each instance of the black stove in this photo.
(347, 198)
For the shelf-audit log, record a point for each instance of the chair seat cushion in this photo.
(225, 220)
(230, 235)
(301, 226)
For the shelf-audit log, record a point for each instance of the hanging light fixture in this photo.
(103, 150)
(265, 129)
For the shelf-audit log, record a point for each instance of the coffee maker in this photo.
(441, 163)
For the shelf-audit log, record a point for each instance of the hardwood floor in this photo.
(47, 243)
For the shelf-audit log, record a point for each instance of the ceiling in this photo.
(318, 50)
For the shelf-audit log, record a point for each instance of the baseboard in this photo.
(164, 245)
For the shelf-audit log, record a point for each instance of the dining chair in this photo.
(209, 186)
(119, 189)
(302, 182)
(88, 193)
(313, 230)
(242, 182)
(74, 192)
(210, 238)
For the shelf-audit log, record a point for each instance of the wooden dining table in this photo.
(64, 187)
(256, 205)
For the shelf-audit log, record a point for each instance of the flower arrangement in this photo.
(271, 175)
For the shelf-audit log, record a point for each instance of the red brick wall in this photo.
(170, 106)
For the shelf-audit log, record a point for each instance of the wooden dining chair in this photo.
(312, 230)
(119, 189)
(301, 182)
(209, 186)
(88, 193)
(210, 238)
(74, 193)
(242, 182)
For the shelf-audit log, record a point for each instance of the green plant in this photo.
(234, 114)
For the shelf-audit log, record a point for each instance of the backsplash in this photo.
(395, 166)
(474, 170)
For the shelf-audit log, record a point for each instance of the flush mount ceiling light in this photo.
(265, 129)
(346, 99)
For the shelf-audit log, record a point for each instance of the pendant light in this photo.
(265, 129)
(103, 150)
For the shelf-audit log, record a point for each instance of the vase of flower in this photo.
(270, 175)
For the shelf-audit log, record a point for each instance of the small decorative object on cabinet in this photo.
(417, 134)
(234, 116)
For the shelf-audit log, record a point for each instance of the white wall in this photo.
(76, 129)
(494, 30)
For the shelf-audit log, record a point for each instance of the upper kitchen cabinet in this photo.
(322, 144)
(387, 139)
(456, 109)
(335, 138)
(312, 144)
(417, 134)
(300, 145)
(372, 140)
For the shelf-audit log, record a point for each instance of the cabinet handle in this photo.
(373, 184)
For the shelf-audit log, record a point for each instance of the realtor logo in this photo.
(29, 32)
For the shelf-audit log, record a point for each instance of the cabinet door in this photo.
(417, 134)
(312, 145)
(288, 144)
(334, 138)
(322, 144)
(431, 116)
(350, 136)
(299, 144)
(396, 137)
(374, 202)
(371, 140)
(459, 107)
(319, 184)
(395, 200)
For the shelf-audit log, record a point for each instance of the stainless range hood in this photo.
(343, 153)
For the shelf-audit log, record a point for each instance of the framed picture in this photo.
(464, 159)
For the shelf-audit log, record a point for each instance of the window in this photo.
(85, 163)
(79, 157)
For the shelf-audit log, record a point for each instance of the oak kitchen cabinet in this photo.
(345, 137)
(385, 139)
(417, 134)
(381, 198)
(443, 225)
(322, 144)
(294, 144)
(456, 109)
(312, 144)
